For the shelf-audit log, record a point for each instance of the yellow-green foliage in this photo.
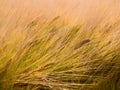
(56, 55)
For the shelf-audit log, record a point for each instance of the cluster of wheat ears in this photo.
(55, 56)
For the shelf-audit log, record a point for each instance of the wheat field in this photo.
(59, 45)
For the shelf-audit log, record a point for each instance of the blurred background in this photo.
(82, 10)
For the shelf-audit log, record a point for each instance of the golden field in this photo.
(59, 45)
